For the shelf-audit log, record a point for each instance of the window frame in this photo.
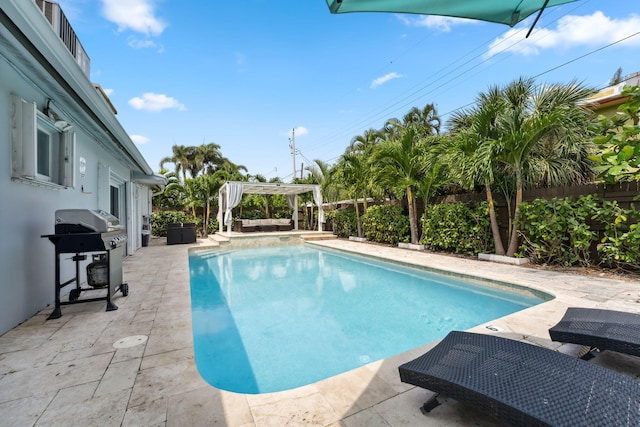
(27, 125)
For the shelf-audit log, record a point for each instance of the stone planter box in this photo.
(357, 239)
(411, 246)
(503, 259)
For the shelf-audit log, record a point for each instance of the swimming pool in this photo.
(273, 318)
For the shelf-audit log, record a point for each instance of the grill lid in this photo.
(97, 221)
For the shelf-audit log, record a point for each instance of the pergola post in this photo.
(295, 212)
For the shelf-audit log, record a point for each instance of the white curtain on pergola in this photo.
(231, 192)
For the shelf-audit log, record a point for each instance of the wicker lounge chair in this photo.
(602, 329)
(524, 384)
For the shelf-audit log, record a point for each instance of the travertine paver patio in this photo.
(67, 371)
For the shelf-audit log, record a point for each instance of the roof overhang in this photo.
(153, 180)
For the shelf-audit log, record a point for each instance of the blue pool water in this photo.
(268, 319)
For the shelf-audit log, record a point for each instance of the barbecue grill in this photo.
(82, 231)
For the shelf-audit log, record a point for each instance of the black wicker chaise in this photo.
(523, 384)
(602, 329)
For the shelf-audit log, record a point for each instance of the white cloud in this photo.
(135, 15)
(155, 102)
(384, 79)
(590, 30)
(139, 139)
(301, 130)
(141, 44)
(108, 92)
(241, 58)
(434, 22)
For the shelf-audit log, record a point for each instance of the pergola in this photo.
(231, 192)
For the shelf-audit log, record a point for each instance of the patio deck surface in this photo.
(67, 372)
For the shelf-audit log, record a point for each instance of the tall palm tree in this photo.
(207, 159)
(402, 166)
(471, 157)
(425, 120)
(533, 116)
(321, 172)
(515, 129)
(180, 159)
(352, 172)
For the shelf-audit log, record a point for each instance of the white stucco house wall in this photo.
(61, 147)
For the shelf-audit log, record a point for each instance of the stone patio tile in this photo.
(28, 359)
(51, 378)
(165, 381)
(81, 353)
(104, 411)
(366, 419)
(169, 337)
(354, 391)
(24, 412)
(119, 376)
(309, 410)
(167, 358)
(208, 406)
(151, 414)
(404, 410)
(74, 394)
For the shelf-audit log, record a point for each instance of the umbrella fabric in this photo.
(508, 12)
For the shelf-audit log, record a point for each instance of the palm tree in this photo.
(352, 172)
(426, 120)
(209, 185)
(401, 167)
(471, 157)
(534, 115)
(207, 159)
(323, 175)
(180, 159)
(515, 129)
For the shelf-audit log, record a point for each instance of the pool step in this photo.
(318, 236)
(219, 239)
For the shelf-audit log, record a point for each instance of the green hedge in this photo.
(556, 231)
(564, 231)
(343, 222)
(457, 227)
(385, 224)
(620, 245)
(159, 221)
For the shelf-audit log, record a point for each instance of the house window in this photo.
(44, 155)
(42, 148)
(115, 201)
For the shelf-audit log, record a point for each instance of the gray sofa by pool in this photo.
(269, 224)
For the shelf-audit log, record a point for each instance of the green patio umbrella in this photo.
(508, 12)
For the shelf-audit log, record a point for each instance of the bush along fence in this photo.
(457, 227)
(585, 231)
(386, 224)
(159, 221)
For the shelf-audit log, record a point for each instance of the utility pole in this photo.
(292, 145)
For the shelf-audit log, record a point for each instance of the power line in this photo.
(405, 101)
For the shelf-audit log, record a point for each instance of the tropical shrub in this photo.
(620, 245)
(619, 141)
(159, 221)
(343, 222)
(556, 231)
(386, 224)
(457, 227)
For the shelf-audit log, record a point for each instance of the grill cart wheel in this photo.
(74, 294)
(125, 289)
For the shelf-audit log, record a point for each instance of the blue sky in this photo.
(243, 74)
